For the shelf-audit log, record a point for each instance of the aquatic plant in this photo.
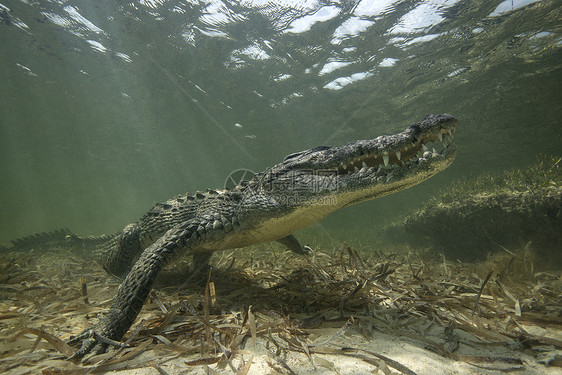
(546, 172)
(510, 211)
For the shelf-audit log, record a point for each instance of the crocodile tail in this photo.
(55, 239)
(95, 248)
(91, 247)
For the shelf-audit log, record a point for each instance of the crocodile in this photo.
(301, 190)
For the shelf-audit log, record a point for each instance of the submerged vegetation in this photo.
(545, 173)
(511, 211)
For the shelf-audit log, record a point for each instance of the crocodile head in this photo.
(335, 177)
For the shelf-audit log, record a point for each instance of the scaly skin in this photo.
(299, 191)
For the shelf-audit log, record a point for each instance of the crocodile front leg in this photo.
(134, 290)
(293, 244)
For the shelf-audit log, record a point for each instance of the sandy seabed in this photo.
(266, 311)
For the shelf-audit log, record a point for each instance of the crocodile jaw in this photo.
(364, 169)
(372, 182)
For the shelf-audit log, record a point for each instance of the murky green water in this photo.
(107, 107)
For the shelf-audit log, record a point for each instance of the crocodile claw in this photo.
(91, 343)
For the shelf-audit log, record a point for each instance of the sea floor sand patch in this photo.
(264, 311)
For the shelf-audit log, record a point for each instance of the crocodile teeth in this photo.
(424, 147)
(385, 159)
(440, 136)
(344, 165)
(398, 155)
(364, 165)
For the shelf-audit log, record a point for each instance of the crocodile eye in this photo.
(294, 155)
(309, 151)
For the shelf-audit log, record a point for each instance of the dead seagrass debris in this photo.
(405, 296)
